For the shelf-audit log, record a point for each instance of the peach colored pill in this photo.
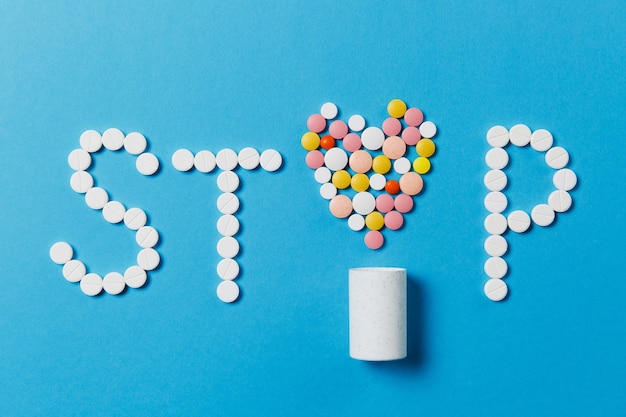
(338, 129)
(352, 142)
(361, 161)
(392, 126)
(384, 203)
(403, 203)
(374, 239)
(411, 135)
(340, 206)
(413, 117)
(316, 123)
(394, 147)
(411, 183)
(394, 220)
(314, 159)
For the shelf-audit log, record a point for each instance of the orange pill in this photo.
(340, 206)
(361, 161)
(394, 147)
(327, 142)
(392, 187)
(411, 183)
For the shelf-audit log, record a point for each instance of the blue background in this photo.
(210, 75)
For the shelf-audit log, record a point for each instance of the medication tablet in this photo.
(148, 259)
(328, 191)
(79, 159)
(557, 157)
(392, 187)
(374, 239)
(182, 160)
(314, 159)
(113, 283)
(352, 142)
(401, 165)
(91, 141)
(384, 203)
(228, 291)
(147, 163)
(271, 160)
(228, 203)
(327, 142)
(249, 158)
(356, 222)
(541, 140)
(227, 225)
(411, 183)
(495, 202)
(564, 179)
(113, 139)
(413, 117)
(519, 221)
(226, 160)
(374, 221)
(322, 175)
(364, 203)
(228, 181)
(135, 143)
(497, 158)
(135, 277)
(135, 218)
(228, 269)
(310, 141)
(81, 181)
(356, 123)
(392, 126)
(496, 289)
(96, 198)
(91, 284)
(336, 159)
(496, 267)
(360, 161)
(204, 161)
(394, 220)
(498, 137)
(61, 253)
(495, 224)
(338, 129)
(560, 201)
(425, 147)
(421, 165)
(519, 135)
(411, 135)
(341, 179)
(147, 237)
(496, 245)
(372, 138)
(360, 182)
(329, 110)
(428, 130)
(403, 203)
(316, 123)
(340, 206)
(542, 215)
(495, 180)
(74, 270)
(396, 108)
(113, 212)
(377, 182)
(381, 164)
(228, 247)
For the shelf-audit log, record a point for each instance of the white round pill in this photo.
(226, 159)
(81, 181)
(519, 135)
(496, 245)
(79, 159)
(147, 237)
(227, 269)
(519, 221)
(496, 267)
(248, 158)
(148, 259)
(542, 215)
(356, 222)
(377, 182)
(228, 247)
(329, 110)
(96, 198)
(322, 175)
(113, 283)
(91, 141)
(496, 289)
(495, 224)
(541, 140)
(557, 157)
(74, 270)
(495, 202)
(135, 218)
(372, 138)
(402, 165)
(204, 161)
(147, 163)
(328, 191)
(182, 160)
(564, 179)
(228, 291)
(113, 139)
(91, 284)
(497, 158)
(61, 253)
(135, 277)
(495, 180)
(428, 130)
(113, 212)
(560, 201)
(227, 203)
(135, 143)
(336, 159)
(498, 137)
(356, 123)
(228, 181)
(271, 160)
(364, 203)
(227, 225)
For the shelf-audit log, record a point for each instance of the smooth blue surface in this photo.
(212, 75)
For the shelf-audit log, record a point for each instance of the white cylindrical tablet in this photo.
(228, 291)
(519, 135)
(135, 143)
(113, 283)
(541, 140)
(519, 221)
(498, 137)
(228, 247)
(182, 160)
(228, 181)
(135, 218)
(96, 198)
(147, 163)
(564, 179)
(495, 202)
(79, 160)
(227, 225)
(74, 270)
(148, 259)
(377, 310)
(377, 182)
(204, 161)
(322, 175)
(402, 165)
(557, 157)
(497, 158)
(356, 123)
(542, 215)
(495, 224)
(147, 237)
(91, 284)
(496, 289)
(61, 253)
(356, 222)
(328, 191)
(373, 138)
(228, 203)
(135, 277)
(226, 159)
(271, 160)
(336, 159)
(364, 203)
(560, 201)
(113, 139)
(496, 267)
(91, 141)
(81, 181)
(248, 158)
(428, 130)
(495, 180)
(329, 110)
(228, 269)
(496, 245)
(113, 212)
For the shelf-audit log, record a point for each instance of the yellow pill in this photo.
(374, 221)
(421, 165)
(360, 182)
(341, 179)
(381, 164)
(425, 147)
(396, 108)
(310, 141)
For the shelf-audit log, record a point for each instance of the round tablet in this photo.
(403, 203)
(91, 141)
(338, 129)
(227, 225)
(495, 202)
(392, 126)
(147, 163)
(374, 221)
(336, 159)
(310, 141)
(113, 212)
(377, 182)
(560, 201)
(425, 147)
(135, 218)
(518, 221)
(394, 147)
(74, 270)
(113, 283)
(226, 159)
(96, 198)
(91, 284)
(356, 123)
(496, 267)
(372, 138)
(227, 269)
(363, 203)
(341, 179)
(411, 135)
(360, 161)
(148, 259)
(542, 215)
(413, 117)
(496, 289)
(394, 220)
(328, 191)
(497, 158)
(340, 206)
(322, 175)
(392, 187)
(79, 159)
(113, 139)
(135, 277)
(402, 165)
(557, 157)
(228, 291)
(147, 237)
(396, 108)
(327, 142)
(428, 130)
(135, 143)
(564, 179)
(228, 247)
(356, 222)
(496, 245)
(374, 239)
(314, 159)
(352, 142)
(411, 183)
(204, 161)
(227, 203)
(384, 203)
(182, 160)
(360, 182)
(495, 180)
(248, 158)
(61, 253)
(498, 137)
(228, 181)
(495, 224)
(421, 165)
(316, 123)
(81, 181)
(381, 164)
(329, 110)
(519, 135)
(541, 140)
(271, 160)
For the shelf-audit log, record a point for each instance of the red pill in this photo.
(392, 187)
(327, 142)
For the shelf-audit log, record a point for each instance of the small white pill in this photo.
(182, 160)
(148, 259)
(377, 182)
(364, 203)
(519, 135)
(497, 158)
(91, 284)
(519, 221)
(135, 277)
(496, 245)
(79, 159)
(226, 159)
(564, 179)
(147, 237)
(336, 159)
(560, 201)
(135, 143)
(135, 218)
(113, 283)
(271, 160)
(329, 110)
(227, 225)
(495, 180)
(495, 202)
(228, 291)
(496, 267)
(356, 222)
(228, 203)
(356, 123)
(91, 141)
(402, 165)
(328, 191)
(81, 181)
(113, 139)
(322, 175)
(228, 247)
(74, 270)
(542, 215)
(228, 181)
(428, 130)
(557, 157)
(495, 224)
(113, 212)
(96, 198)
(498, 137)
(61, 253)
(372, 138)
(204, 161)
(228, 269)
(147, 163)
(496, 289)
(541, 140)
(248, 158)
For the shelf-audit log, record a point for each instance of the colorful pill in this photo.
(352, 142)
(421, 165)
(327, 142)
(381, 164)
(374, 239)
(413, 117)
(361, 161)
(374, 221)
(360, 182)
(396, 108)
(340, 206)
(411, 135)
(392, 187)
(425, 147)
(394, 147)
(403, 203)
(392, 126)
(314, 159)
(394, 220)
(341, 179)
(316, 123)
(411, 183)
(310, 141)
(338, 129)
(384, 203)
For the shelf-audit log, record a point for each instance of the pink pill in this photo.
(338, 129)
(411, 135)
(316, 123)
(394, 220)
(314, 159)
(394, 147)
(384, 203)
(404, 203)
(392, 126)
(352, 142)
(413, 117)
(374, 239)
